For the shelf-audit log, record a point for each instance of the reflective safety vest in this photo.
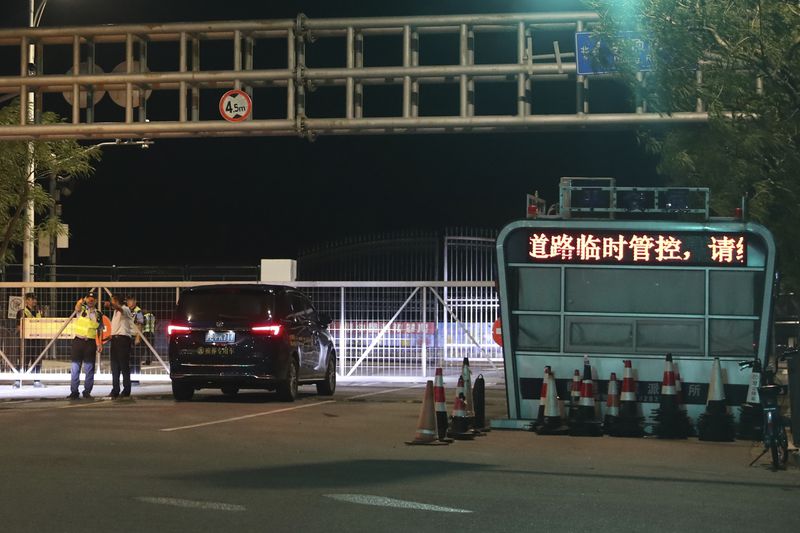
(149, 323)
(28, 314)
(86, 326)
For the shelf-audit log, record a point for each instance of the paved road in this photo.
(252, 463)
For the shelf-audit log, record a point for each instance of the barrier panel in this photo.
(381, 329)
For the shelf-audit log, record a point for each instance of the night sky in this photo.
(235, 200)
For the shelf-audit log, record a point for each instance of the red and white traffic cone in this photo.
(426, 426)
(716, 424)
(671, 422)
(678, 387)
(585, 423)
(459, 424)
(552, 423)
(542, 399)
(612, 404)
(440, 406)
(574, 395)
(629, 423)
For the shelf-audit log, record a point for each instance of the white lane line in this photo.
(192, 504)
(245, 417)
(381, 392)
(380, 501)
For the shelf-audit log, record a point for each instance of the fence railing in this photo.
(381, 329)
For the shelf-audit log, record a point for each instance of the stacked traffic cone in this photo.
(574, 395)
(479, 397)
(679, 395)
(585, 423)
(542, 400)
(459, 427)
(466, 373)
(751, 416)
(426, 426)
(440, 406)
(671, 422)
(552, 423)
(612, 404)
(629, 423)
(716, 424)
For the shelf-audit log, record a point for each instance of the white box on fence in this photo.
(284, 270)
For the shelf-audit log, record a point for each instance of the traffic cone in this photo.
(574, 395)
(716, 424)
(680, 397)
(542, 399)
(751, 416)
(629, 423)
(552, 423)
(440, 406)
(612, 404)
(459, 424)
(426, 426)
(585, 423)
(466, 373)
(479, 396)
(671, 422)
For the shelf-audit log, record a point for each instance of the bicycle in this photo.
(774, 426)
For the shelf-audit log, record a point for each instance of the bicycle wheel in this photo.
(779, 446)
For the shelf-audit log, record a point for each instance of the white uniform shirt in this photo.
(122, 322)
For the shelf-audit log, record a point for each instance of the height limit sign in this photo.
(235, 106)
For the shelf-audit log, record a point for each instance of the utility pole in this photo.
(30, 220)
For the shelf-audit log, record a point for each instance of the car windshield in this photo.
(225, 304)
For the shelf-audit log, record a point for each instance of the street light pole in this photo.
(30, 221)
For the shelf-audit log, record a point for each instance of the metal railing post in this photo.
(342, 332)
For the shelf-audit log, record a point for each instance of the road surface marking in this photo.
(16, 401)
(192, 504)
(245, 417)
(380, 501)
(380, 392)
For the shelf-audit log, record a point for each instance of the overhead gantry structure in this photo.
(168, 77)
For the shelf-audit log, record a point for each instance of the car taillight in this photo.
(272, 329)
(173, 330)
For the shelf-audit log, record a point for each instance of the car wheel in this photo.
(182, 392)
(287, 389)
(230, 390)
(327, 386)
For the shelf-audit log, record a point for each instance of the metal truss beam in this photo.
(540, 44)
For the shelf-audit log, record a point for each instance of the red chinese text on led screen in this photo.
(634, 249)
(587, 247)
(727, 250)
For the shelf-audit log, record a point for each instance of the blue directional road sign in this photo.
(594, 56)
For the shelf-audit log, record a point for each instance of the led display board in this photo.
(651, 248)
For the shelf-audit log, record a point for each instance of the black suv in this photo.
(249, 336)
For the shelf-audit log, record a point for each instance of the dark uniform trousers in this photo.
(121, 364)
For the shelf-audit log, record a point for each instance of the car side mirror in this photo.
(325, 319)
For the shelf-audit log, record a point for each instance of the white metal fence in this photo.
(381, 329)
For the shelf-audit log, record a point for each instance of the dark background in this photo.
(236, 200)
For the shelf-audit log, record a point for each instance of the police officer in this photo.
(148, 332)
(88, 328)
(32, 348)
(122, 330)
(138, 320)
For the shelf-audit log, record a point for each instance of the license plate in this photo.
(220, 336)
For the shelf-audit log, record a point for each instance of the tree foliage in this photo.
(64, 158)
(740, 61)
